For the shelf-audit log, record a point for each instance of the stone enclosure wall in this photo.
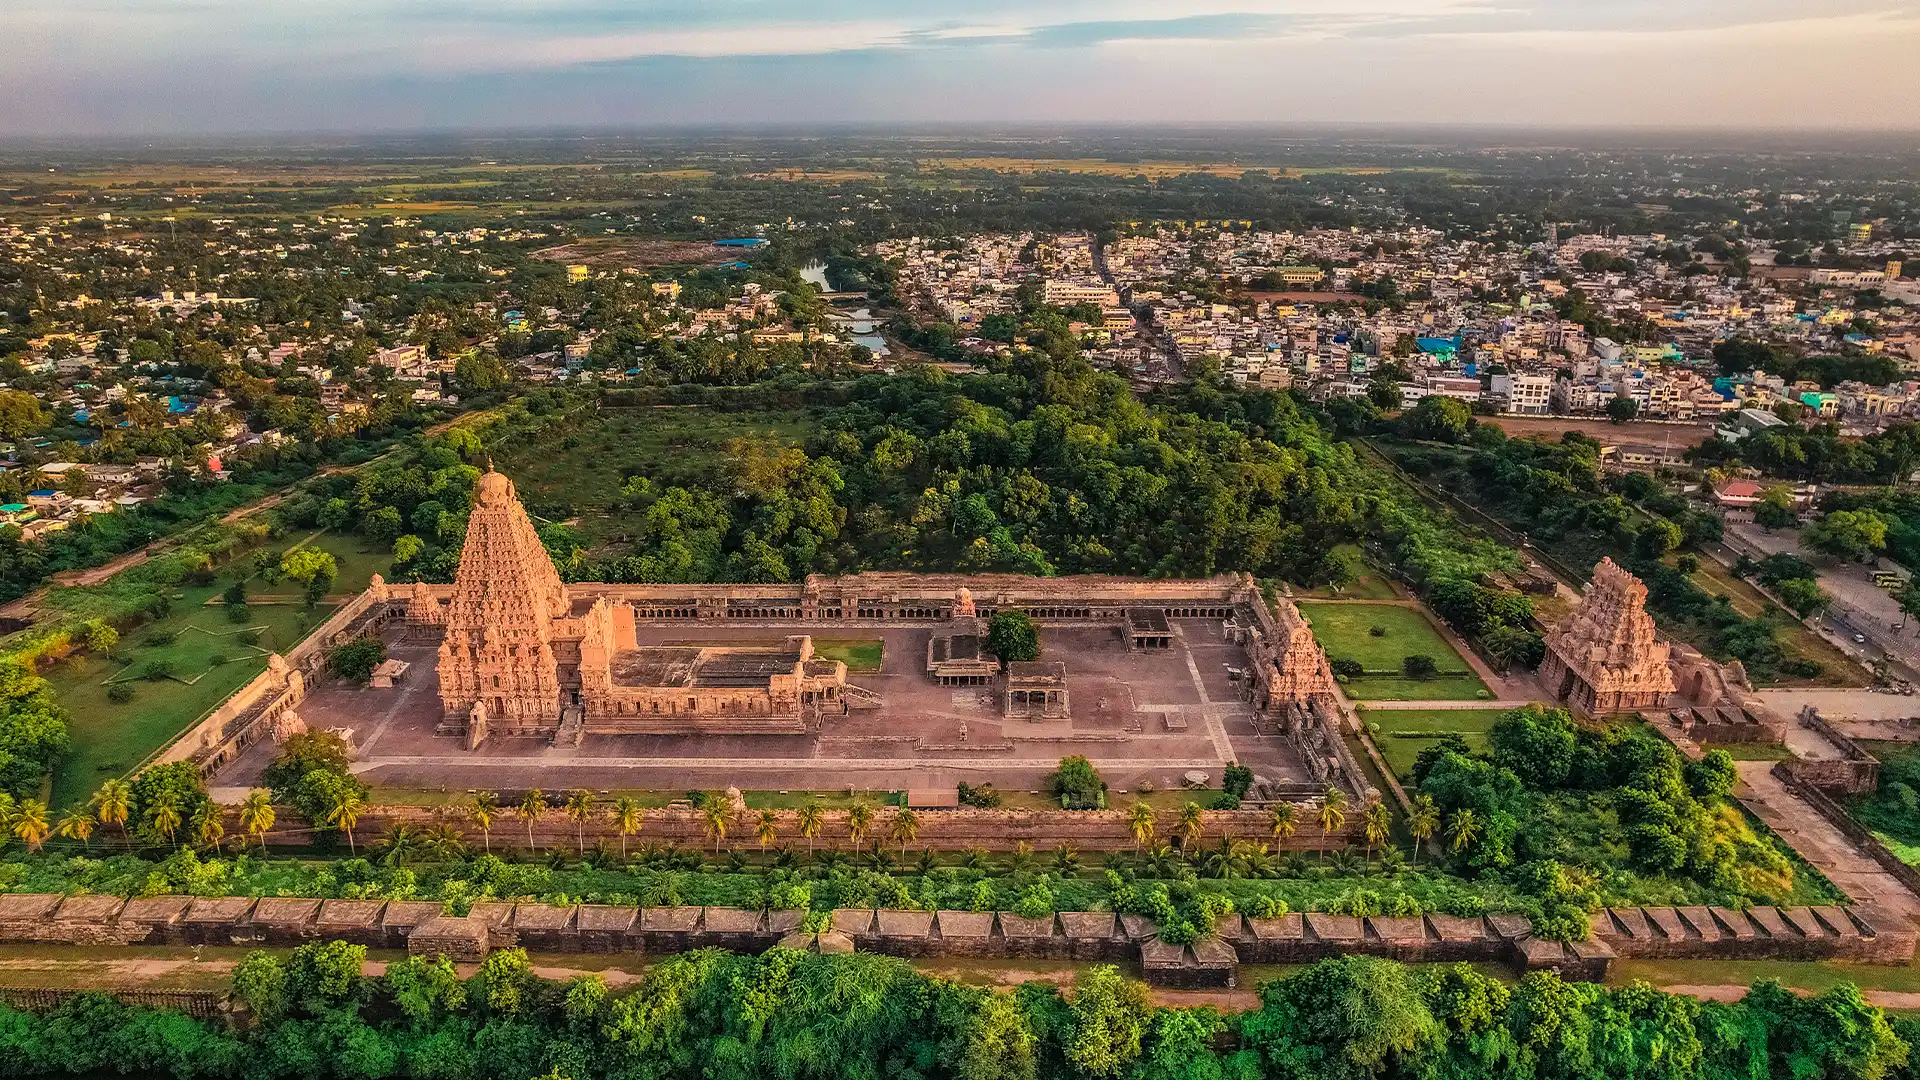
(423, 928)
(941, 830)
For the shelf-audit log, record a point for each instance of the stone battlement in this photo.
(422, 927)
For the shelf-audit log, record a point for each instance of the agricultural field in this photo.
(1348, 632)
(1400, 734)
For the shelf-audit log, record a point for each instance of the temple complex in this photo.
(1161, 679)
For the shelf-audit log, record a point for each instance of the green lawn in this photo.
(110, 737)
(1402, 733)
(859, 654)
(1371, 584)
(1346, 632)
(1396, 688)
(1797, 974)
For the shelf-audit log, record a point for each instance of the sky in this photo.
(200, 67)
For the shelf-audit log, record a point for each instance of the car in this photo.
(1859, 639)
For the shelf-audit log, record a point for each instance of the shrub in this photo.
(356, 660)
(120, 693)
(1346, 667)
(1419, 666)
(155, 670)
(1377, 631)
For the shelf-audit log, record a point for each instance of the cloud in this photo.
(137, 66)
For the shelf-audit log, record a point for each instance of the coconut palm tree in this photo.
(905, 829)
(714, 818)
(1463, 830)
(532, 804)
(580, 811)
(1285, 819)
(207, 827)
(628, 816)
(767, 828)
(29, 823)
(1422, 823)
(257, 816)
(1378, 822)
(345, 813)
(1333, 810)
(482, 813)
(859, 819)
(164, 815)
(77, 824)
(1140, 822)
(810, 820)
(110, 805)
(1192, 821)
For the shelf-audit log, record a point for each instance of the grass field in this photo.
(1370, 585)
(1398, 688)
(580, 470)
(1797, 974)
(1402, 733)
(110, 737)
(859, 654)
(1346, 632)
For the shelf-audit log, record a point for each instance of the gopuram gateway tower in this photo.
(497, 668)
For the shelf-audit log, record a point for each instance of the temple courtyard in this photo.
(1143, 716)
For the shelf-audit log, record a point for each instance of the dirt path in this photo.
(1817, 841)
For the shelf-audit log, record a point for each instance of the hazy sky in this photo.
(209, 66)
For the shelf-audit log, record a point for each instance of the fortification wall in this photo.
(423, 928)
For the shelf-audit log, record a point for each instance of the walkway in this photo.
(1444, 706)
(1818, 842)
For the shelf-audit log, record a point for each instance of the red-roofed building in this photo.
(1739, 494)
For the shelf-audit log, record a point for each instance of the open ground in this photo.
(1143, 717)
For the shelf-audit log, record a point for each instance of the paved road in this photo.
(1818, 842)
(1860, 608)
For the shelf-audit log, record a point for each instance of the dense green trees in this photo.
(801, 1016)
(1551, 800)
(33, 729)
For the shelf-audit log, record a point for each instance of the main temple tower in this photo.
(497, 669)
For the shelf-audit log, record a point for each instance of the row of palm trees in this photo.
(716, 819)
(28, 819)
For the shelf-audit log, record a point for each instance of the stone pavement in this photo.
(1819, 843)
(1836, 705)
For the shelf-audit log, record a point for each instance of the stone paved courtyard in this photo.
(1140, 716)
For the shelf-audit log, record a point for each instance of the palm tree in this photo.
(767, 828)
(1378, 822)
(110, 805)
(859, 818)
(531, 806)
(811, 819)
(1333, 810)
(257, 815)
(1463, 830)
(164, 814)
(1191, 823)
(906, 827)
(1284, 816)
(77, 824)
(30, 823)
(345, 814)
(1140, 822)
(580, 810)
(629, 817)
(714, 818)
(1422, 823)
(482, 812)
(207, 827)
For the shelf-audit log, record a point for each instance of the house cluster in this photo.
(1553, 328)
